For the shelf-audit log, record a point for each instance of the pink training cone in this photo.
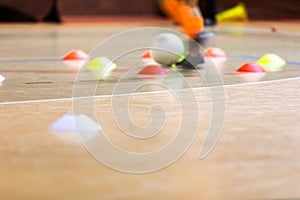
(215, 52)
(76, 55)
(153, 70)
(251, 67)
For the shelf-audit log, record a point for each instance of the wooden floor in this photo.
(256, 157)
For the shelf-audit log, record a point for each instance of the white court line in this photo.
(141, 93)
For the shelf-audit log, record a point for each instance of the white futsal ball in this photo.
(167, 48)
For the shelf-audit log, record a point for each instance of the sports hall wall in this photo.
(257, 9)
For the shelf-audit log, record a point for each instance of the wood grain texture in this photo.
(256, 157)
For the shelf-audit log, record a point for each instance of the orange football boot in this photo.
(169, 7)
(191, 20)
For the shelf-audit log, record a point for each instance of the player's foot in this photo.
(190, 20)
(192, 62)
(203, 38)
(209, 22)
(53, 15)
(169, 7)
(205, 35)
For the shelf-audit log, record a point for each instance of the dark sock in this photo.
(53, 15)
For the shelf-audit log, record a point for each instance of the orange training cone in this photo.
(251, 67)
(147, 54)
(75, 55)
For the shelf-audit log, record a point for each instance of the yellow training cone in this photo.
(101, 67)
(237, 13)
(271, 62)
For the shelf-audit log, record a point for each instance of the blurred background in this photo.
(56, 10)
